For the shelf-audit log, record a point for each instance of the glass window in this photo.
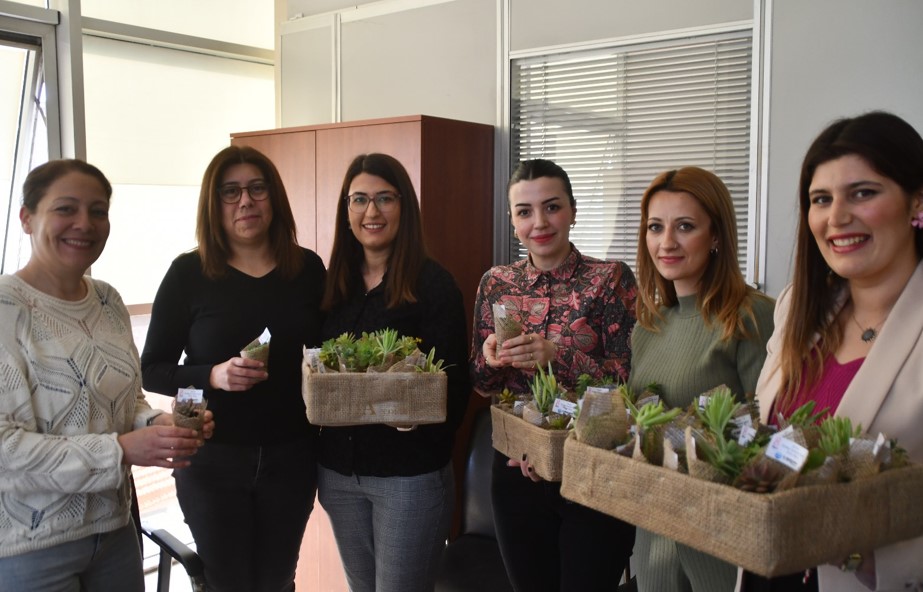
(615, 118)
(23, 137)
(153, 134)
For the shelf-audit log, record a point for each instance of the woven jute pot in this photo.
(514, 436)
(360, 398)
(768, 534)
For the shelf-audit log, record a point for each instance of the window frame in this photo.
(751, 233)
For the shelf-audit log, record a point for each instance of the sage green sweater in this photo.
(687, 357)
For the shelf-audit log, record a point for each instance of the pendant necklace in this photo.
(868, 333)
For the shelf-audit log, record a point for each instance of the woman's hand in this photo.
(525, 467)
(237, 374)
(164, 446)
(527, 351)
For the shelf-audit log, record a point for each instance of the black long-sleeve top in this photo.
(212, 320)
(438, 318)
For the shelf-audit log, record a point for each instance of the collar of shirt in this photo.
(562, 272)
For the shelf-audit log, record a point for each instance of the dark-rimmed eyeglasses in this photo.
(384, 201)
(231, 192)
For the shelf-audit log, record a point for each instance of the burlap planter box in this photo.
(768, 534)
(514, 436)
(361, 398)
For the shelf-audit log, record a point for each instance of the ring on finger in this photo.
(530, 339)
(531, 356)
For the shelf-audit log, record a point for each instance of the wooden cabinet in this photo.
(451, 166)
(450, 163)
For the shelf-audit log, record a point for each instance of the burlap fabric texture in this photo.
(768, 534)
(514, 436)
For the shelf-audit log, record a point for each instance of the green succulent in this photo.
(835, 435)
(719, 409)
(725, 454)
(544, 389)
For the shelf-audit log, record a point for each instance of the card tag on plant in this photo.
(703, 401)
(652, 399)
(312, 359)
(518, 407)
(190, 395)
(747, 433)
(564, 407)
(789, 453)
(670, 457)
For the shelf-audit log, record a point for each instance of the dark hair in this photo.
(529, 170)
(41, 178)
(894, 149)
(724, 296)
(214, 249)
(408, 253)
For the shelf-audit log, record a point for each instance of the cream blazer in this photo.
(886, 395)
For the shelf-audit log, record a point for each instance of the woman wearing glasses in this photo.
(389, 490)
(248, 494)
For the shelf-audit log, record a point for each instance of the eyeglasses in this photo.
(230, 193)
(384, 201)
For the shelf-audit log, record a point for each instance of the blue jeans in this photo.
(97, 563)
(390, 531)
(247, 508)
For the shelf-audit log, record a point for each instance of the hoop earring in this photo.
(713, 251)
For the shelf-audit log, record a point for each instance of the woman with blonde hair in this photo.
(699, 326)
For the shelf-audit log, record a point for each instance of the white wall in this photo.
(832, 58)
(829, 58)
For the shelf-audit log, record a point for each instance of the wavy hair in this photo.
(894, 149)
(724, 297)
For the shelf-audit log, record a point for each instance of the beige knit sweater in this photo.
(70, 383)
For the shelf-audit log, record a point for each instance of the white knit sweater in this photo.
(70, 383)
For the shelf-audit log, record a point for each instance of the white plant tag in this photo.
(787, 452)
(312, 357)
(653, 400)
(703, 401)
(190, 394)
(518, 407)
(879, 442)
(747, 433)
(264, 336)
(600, 390)
(564, 407)
(670, 458)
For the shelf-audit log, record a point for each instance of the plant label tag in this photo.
(564, 407)
(703, 401)
(790, 454)
(742, 421)
(879, 442)
(518, 407)
(190, 394)
(747, 433)
(600, 390)
(670, 459)
(653, 400)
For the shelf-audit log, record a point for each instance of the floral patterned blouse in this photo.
(586, 306)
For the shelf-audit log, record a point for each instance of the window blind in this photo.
(615, 118)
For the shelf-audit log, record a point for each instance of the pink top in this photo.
(828, 391)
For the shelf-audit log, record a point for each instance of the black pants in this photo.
(792, 582)
(247, 508)
(550, 544)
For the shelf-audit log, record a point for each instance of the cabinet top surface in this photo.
(345, 124)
